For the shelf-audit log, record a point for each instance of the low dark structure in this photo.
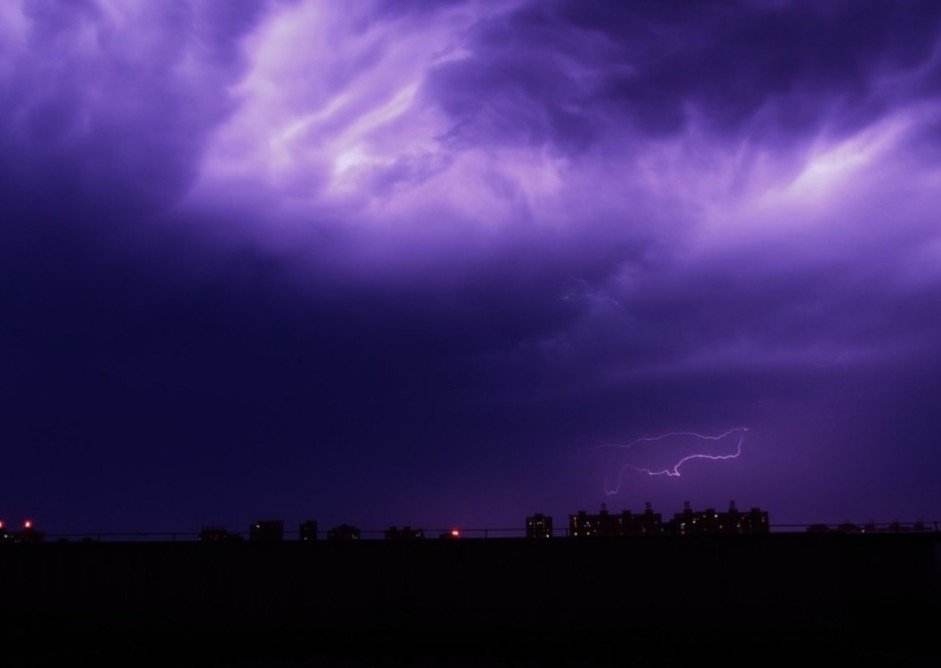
(343, 534)
(404, 533)
(214, 534)
(266, 531)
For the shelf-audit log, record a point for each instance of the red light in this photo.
(28, 524)
(455, 533)
(1, 524)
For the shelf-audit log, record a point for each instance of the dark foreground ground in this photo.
(763, 600)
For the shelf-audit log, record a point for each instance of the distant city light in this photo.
(455, 533)
(28, 524)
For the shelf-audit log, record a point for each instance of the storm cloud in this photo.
(415, 262)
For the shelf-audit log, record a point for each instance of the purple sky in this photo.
(425, 264)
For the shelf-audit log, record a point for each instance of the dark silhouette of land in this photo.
(590, 601)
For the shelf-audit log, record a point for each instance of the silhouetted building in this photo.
(688, 522)
(731, 522)
(307, 532)
(343, 534)
(710, 522)
(848, 527)
(606, 525)
(818, 528)
(756, 521)
(538, 526)
(218, 535)
(685, 523)
(266, 531)
(582, 525)
(404, 533)
(649, 523)
(628, 523)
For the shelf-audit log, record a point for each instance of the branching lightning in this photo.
(674, 471)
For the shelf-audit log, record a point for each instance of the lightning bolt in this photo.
(674, 471)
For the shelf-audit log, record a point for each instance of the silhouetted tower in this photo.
(307, 533)
(650, 523)
(731, 522)
(538, 526)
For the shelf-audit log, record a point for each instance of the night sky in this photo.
(432, 263)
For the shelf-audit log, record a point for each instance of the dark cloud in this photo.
(109, 105)
(552, 72)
